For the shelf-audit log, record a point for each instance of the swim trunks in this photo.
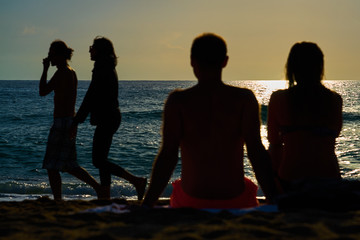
(61, 150)
(247, 199)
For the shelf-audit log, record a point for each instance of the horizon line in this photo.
(194, 80)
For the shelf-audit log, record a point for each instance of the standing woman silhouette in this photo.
(304, 121)
(101, 102)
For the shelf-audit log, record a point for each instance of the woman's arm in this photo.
(85, 106)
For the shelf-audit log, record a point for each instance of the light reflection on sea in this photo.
(348, 143)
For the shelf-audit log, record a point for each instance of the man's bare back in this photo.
(65, 93)
(212, 141)
(210, 123)
(64, 84)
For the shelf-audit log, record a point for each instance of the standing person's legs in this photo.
(101, 147)
(84, 176)
(53, 160)
(100, 150)
(55, 183)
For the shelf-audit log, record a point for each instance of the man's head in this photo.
(209, 51)
(59, 52)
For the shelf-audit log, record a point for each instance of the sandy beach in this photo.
(47, 219)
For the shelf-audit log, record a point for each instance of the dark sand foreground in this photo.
(46, 219)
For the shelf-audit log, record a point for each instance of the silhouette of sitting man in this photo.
(210, 123)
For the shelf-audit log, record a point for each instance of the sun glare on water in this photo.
(261, 88)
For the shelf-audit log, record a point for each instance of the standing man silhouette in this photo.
(61, 151)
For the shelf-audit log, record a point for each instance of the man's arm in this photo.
(257, 154)
(167, 158)
(44, 87)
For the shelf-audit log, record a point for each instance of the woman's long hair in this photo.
(105, 51)
(305, 64)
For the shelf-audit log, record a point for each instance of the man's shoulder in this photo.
(181, 93)
(176, 93)
(243, 94)
(64, 79)
(183, 96)
(239, 90)
(279, 93)
(64, 72)
(175, 96)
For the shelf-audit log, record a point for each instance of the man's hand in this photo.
(46, 63)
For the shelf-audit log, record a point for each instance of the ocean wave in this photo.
(263, 113)
(70, 190)
(152, 114)
(73, 188)
(157, 115)
(351, 117)
(347, 116)
(30, 118)
(15, 187)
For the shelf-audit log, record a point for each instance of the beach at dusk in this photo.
(94, 93)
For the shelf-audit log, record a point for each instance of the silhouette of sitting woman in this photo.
(101, 102)
(304, 121)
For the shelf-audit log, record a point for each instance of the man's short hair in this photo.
(209, 50)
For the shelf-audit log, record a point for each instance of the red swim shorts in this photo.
(247, 199)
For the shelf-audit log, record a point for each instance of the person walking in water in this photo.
(101, 102)
(304, 122)
(61, 151)
(210, 123)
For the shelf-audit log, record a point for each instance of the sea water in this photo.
(26, 119)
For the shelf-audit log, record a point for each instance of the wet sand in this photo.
(47, 219)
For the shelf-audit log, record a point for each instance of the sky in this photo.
(152, 38)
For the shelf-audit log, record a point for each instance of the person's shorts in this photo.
(247, 199)
(61, 150)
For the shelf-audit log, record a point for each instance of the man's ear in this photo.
(225, 61)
